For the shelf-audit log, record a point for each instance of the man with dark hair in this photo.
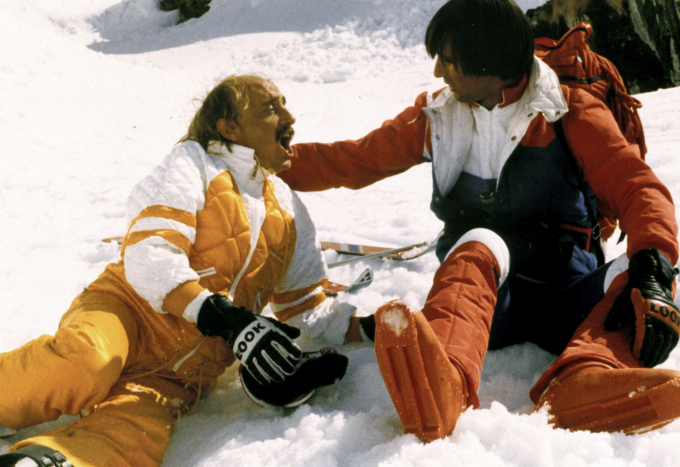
(482, 48)
(522, 167)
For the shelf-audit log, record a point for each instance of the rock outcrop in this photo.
(641, 37)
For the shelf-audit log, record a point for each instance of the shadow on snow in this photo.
(138, 26)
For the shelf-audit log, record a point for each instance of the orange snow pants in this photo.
(79, 369)
(460, 308)
(592, 342)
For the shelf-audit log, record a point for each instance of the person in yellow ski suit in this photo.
(215, 236)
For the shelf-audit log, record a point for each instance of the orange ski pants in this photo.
(460, 308)
(79, 369)
(592, 342)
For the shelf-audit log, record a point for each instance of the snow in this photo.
(95, 93)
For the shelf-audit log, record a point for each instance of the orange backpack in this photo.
(578, 66)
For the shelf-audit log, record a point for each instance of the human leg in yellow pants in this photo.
(130, 428)
(79, 368)
(71, 371)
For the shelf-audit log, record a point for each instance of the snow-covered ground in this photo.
(94, 93)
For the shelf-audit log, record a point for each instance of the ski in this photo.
(362, 252)
(366, 250)
(364, 280)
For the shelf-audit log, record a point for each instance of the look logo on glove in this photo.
(646, 307)
(668, 314)
(277, 372)
(247, 336)
(266, 351)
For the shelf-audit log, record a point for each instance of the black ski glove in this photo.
(646, 306)
(262, 345)
(316, 369)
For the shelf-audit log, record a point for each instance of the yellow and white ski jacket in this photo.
(208, 222)
(216, 222)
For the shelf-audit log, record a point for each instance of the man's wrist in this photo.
(218, 316)
(194, 307)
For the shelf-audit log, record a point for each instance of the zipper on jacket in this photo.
(255, 227)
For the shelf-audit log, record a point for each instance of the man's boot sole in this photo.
(634, 400)
(638, 412)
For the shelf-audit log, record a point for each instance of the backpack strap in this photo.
(592, 243)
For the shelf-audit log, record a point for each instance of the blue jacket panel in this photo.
(537, 193)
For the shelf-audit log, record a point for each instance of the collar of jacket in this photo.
(510, 95)
(243, 166)
(515, 93)
(540, 93)
(451, 122)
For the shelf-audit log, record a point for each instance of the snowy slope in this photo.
(94, 93)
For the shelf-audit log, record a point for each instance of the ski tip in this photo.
(364, 280)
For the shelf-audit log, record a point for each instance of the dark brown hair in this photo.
(487, 37)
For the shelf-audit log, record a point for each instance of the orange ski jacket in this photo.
(625, 186)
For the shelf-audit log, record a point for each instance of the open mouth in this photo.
(284, 137)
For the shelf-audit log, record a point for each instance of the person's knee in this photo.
(494, 245)
(84, 365)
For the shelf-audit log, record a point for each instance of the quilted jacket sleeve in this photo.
(299, 297)
(156, 249)
(389, 150)
(624, 184)
(301, 287)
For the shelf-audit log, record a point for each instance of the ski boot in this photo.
(428, 391)
(34, 456)
(593, 396)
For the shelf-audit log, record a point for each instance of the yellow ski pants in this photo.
(79, 369)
